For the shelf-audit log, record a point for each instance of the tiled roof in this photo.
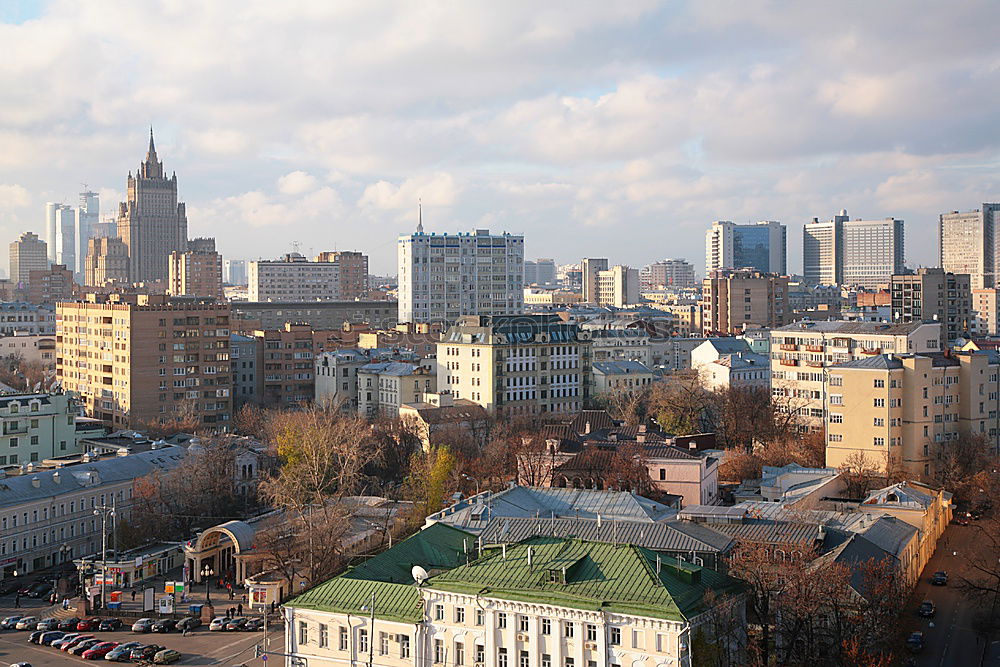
(464, 410)
(881, 362)
(598, 576)
(766, 531)
(728, 345)
(390, 368)
(902, 494)
(621, 368)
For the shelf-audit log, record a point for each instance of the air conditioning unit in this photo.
(590, 646)
(522, 636)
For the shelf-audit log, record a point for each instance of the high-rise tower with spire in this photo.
(151, 222)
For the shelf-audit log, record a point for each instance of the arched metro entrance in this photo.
(218, 547)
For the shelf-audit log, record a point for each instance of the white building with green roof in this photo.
(544, 602)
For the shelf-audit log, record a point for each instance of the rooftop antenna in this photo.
(419, 574)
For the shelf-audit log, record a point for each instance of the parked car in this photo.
(9, 622)
(49, 623)
(164, 625)
(83, 646)
(110, 625)
(218, 624)
(89, 624)
(166, 657)
(940, 578)
(961, 519)
(35, 636)
(65, 639)
(915, 642)
(39, 589)
(254, 625)
(189, 623)
(50, 636)
(21, 664)
(78, 640)
(98, 651)
(236, 624)
(121, 652)
(926, 609)
(143, 625)
(145, 652)
(68, 623)
(27, 623)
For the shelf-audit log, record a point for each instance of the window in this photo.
(502, 620)
(480, 620)
(459, 653)
(523, 660)
(880, 384)
(568, 630)
(638, 639)
(569, 662)
(879, 442)
(878, 402)
(879, 422)
(836, 399)
(522, 623)
(460, 615)
(303, 633)
(591, 632)
(546, 624)
(615, 637)
(383, 643)
(546, 660)
(404, 646)
(836, 418)
(480, 653)
(439, 612)
(836, 380)
(343, 638)
(439, 650)
(502, 657)
(363, 640)
(324, 635)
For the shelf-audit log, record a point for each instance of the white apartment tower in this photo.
(967, 243)
(445, 276)
(761, 246)
(861, 253)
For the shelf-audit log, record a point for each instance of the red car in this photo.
(89, 624)
(99, 651)
(78, 640)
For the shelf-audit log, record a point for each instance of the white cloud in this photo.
(433, 190)
(296, 182)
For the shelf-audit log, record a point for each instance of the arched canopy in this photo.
(240, 532)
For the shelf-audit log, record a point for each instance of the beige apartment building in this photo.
(195, 273)
(51, 285)
(142, 359)
(967, 243)
(618, 286)
(385, 386)
(733, 301)
(516, 365)
(931, 295)
(984, 312)
(353, 272)
(28, 253)
(106, 262)
(900, 411)
(802, 352)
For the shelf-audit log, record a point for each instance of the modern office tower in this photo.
(106, 229)
(590, 268)
(986, 319)
(931, 295)
(106, 261)
(857, 253)
(88, 215)
(195, 273)
(733, 301)
(540, 272)
(50, 285)
(28, 253)
(901, 411)
(445, 276)
(761, 246)
(823, 250)
(873, 252)
(353, 272)
(234, 271)
(145, 359)
(676, 273)
(800, 352)
(334, 276)
(54, 221)
(524, 365)
(967, 243)
(151, 222)
(617, 286)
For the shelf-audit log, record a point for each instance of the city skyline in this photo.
(584, 135)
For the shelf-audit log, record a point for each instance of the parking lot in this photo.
(200, 647)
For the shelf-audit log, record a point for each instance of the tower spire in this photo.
(420, 217)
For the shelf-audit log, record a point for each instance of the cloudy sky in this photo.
(618, 129)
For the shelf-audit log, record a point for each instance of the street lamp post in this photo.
(206, 574)
(472, 479)
(105, 513)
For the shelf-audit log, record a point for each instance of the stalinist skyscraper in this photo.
(151, 222)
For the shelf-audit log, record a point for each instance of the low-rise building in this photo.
(437, 414)
(337, 372)
(621, 376)
(18, 317)
(36, 427)
(384, 386)
(31, 349)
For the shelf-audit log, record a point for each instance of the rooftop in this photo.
(621, 368)
(839, 326)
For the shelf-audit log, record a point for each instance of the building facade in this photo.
(931, 295)
(841, 251)
(37, 427)
(245, 355)
(195, 273)
(234, 271)
(144, 359)
(541, 271)
(287, 367)
(106, 262)
(151, 222)
(332, 276)
(50, 285)
(733, 301)
(525, 365)
(762, 246)
(985, 320)
(28, 253)
(88, 215)
(18, 317)
(618, 286)
(676, 273)
(967, 243)
(253, 315)
(445, 276)
(385, 386)
(353, 272)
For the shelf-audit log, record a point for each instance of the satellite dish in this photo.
(419, 574)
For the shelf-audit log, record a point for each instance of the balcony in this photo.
(788, 347)
(815, 364)
(789, 362)
(871, 350)
(814, 348)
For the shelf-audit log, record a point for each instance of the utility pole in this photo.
(105, 513)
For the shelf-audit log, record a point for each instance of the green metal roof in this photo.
(598, 576)
(437, 548)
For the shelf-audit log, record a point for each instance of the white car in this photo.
(9, 622)
(27, 623)
(218, 624)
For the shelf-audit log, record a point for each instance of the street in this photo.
(950, 638)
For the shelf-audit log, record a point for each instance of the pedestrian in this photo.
(243, 598)
(273, 607)
(239, 609)
(184, 632)
(17, 600)
(133, 595)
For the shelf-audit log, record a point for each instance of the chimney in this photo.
(56, 477)
(35, 482)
